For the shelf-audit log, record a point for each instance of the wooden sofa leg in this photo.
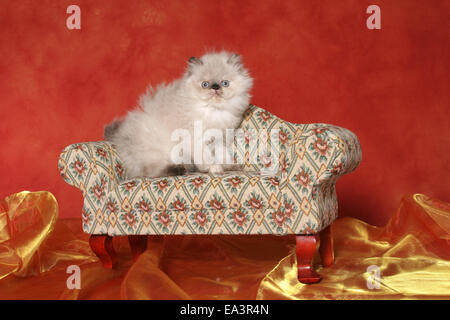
(102, 246)
(306, 247)
(326, 247)
(138, 244)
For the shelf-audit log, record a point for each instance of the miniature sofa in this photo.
(299, 198)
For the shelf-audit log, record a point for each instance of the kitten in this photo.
(214, 89)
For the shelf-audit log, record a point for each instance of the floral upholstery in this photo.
(298, 198)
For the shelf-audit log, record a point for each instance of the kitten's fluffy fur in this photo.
(143, 137)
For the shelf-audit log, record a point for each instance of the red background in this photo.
(313, 61)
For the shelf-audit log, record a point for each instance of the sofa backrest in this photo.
(263, 142)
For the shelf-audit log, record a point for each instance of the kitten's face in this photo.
(217, 78)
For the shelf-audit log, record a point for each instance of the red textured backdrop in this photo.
(313, 61)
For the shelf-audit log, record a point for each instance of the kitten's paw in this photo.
(177, 170)
(216, 168)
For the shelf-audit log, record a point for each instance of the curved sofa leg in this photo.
(138, 244)
(102, 246)
(326, 247)
(306, 247)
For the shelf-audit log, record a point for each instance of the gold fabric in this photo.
(412, 253)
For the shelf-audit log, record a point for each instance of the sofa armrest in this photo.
(322, 153)
(84, 165)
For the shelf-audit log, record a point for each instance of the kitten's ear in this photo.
(235, 60)
(192, 62)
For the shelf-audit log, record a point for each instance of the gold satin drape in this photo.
(412, 253)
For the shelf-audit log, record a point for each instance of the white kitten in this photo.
(215, 89)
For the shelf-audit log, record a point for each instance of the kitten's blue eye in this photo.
(225, 83)
(205, 84)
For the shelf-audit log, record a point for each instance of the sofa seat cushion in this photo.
(190, 204)
(199, 191)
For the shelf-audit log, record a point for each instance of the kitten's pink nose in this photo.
(215, 86)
